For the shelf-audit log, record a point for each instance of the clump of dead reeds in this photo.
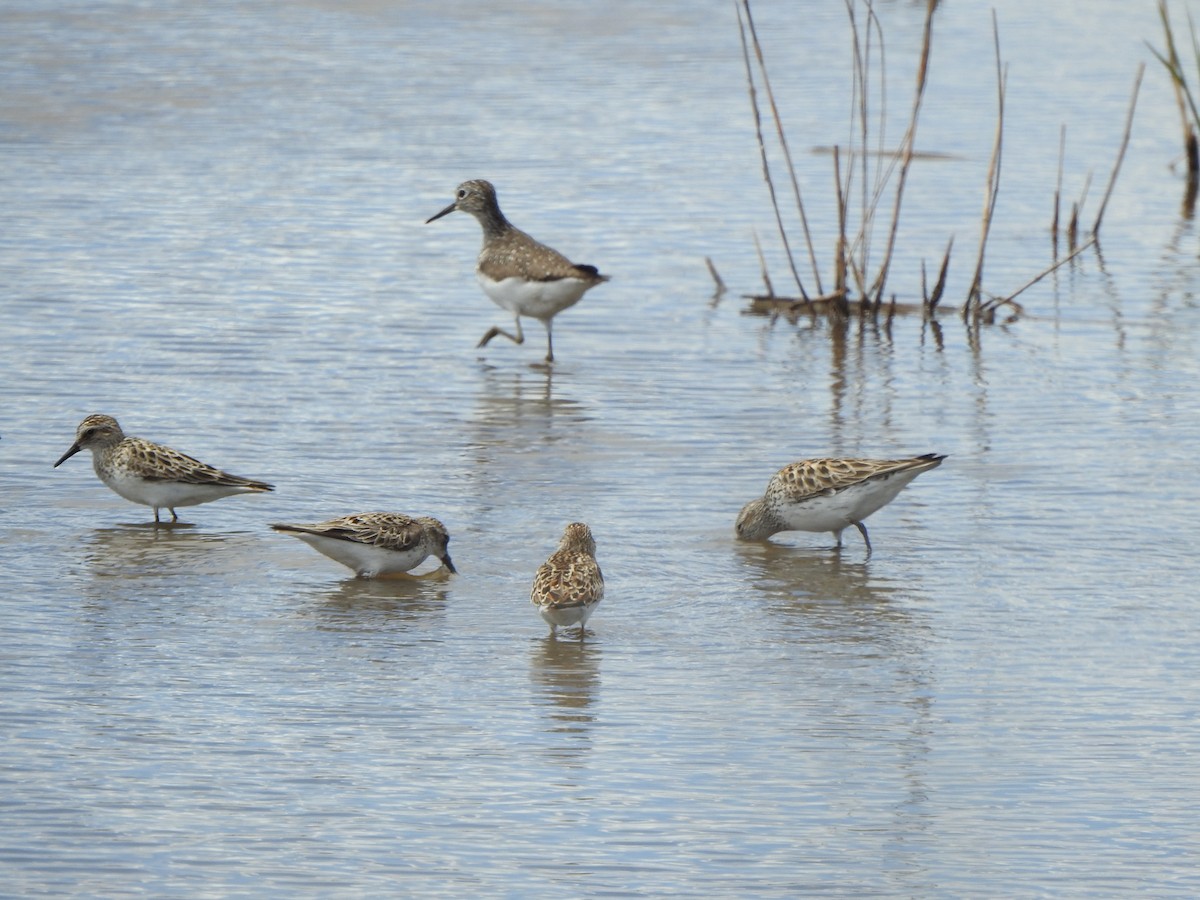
(1185, 99)
(870, 183)
(1071, 229)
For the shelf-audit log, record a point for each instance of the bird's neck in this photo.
(493, 222)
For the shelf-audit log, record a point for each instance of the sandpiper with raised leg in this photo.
(144, 472)
(569, 585)
(521, 275)
(377, 545)
(829, 495)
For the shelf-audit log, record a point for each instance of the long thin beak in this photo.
(445, 212)
(446, 559)
(75, 448)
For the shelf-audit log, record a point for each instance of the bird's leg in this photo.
(863, 531)
(549, 342)
(174, 517)
(496, 330)
(156, 515)
(838, 534)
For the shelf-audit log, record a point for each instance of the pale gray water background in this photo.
(213, 231)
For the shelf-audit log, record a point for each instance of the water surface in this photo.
(214, 232)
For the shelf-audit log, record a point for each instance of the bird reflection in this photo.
(865, 653)
(520, 403)
(565, 676)
(369, 604)
(519, 417)
(831, 592)
(145, 550)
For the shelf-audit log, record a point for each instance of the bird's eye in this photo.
(462, 194)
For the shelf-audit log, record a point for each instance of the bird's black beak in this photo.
(75, 448)
(446, 559)
(445, 212)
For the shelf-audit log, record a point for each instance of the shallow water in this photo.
(215, 234)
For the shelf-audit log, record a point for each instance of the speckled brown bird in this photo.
(377, 545)
(829, 495)
(151, 474)
(521, 275)
(569, 585)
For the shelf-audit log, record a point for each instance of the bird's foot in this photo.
(495, 331)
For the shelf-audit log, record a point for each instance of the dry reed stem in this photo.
(993, 176)
(1076, 208)
(1112, 181)
(839, 262)
(1183, 95)
(1062, 150)
(857, 104)
(1188, 208)
(762, 148)
(1083, 194)
(859, 250)
(762, 262)
(1193, 151)
(716, 277)
(860, 106)
(783, 144)
(940, 287)
(1057, 264)
(907, 149)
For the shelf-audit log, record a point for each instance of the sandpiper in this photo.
(150, 474)
(377, 544)
(521, 275)
(569, 586)
(829, 495)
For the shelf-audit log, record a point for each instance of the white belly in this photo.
(819, 514)
(854, 504)
(166, 494)
(565, 617)
(366, 560)
(536, 299)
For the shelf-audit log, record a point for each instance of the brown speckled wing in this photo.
(517, 254)
(387, 530)
(155, 462)
(816, 476)
(568, 579)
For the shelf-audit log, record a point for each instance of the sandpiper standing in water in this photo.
(377, 545)
(520, 274)
(569, 585)
(829, 495)
(150, 474)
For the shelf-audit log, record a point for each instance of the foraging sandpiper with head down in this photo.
(829, 495)
(377, 545)
(521, 275)
(150, 474)
(569, 585)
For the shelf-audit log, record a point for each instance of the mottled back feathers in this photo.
(571, 576)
